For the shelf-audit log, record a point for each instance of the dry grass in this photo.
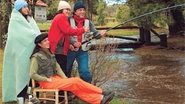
(177, 42)
(175, 45)
(1, 63)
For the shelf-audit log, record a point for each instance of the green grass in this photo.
(123, 32)
(117, 101)
(44, 25)
(1, 63)
(109, 24)
(119, 32)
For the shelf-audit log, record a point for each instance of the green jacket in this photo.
(42, 64)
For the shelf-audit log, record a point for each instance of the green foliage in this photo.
(52, 9)
(101, 13)
(111, 10)
(94, 6)
(141, 7)
(123, 13)
(161, 22)
(178, 1)
(5, 10)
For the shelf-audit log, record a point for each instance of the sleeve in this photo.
(65, 27)
(93, 29)
(59, 71)
(33, 71)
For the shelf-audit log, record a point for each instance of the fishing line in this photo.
(135, 18)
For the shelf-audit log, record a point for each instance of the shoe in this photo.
(35, 100)
(107, 98)
(71, 96)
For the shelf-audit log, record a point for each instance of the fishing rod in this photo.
(135, 18)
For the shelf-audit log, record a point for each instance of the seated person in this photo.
(46, 71)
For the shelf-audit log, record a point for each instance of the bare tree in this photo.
(103, 63)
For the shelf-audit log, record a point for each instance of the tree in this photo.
(100, 12)
(176, 21)
(5, 11)
(123, 13)
(141, 7)
(177, 26)
(103, 64)
(52, 9)
(110, 9)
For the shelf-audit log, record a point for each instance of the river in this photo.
(149, 79)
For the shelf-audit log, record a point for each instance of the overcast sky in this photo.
(110, 2)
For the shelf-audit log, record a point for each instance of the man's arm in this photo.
(97, 34)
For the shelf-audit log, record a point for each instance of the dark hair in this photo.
(38, 39)
(26, 16)
(35, 50)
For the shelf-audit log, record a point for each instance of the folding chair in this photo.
(48, 94)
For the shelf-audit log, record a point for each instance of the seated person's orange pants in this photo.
(82, 89)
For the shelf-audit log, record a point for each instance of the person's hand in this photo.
(49, 80)
(72, 48)
(103, 33)
(86, 29)
(76, 49)
(77, 44)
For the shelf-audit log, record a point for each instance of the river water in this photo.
(149, 79)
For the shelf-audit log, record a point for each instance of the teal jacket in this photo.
(18, 49)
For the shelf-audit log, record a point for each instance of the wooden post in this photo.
(147, 35)
(141, 35)
(163, 40)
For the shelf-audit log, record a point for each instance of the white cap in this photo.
(63, 5)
